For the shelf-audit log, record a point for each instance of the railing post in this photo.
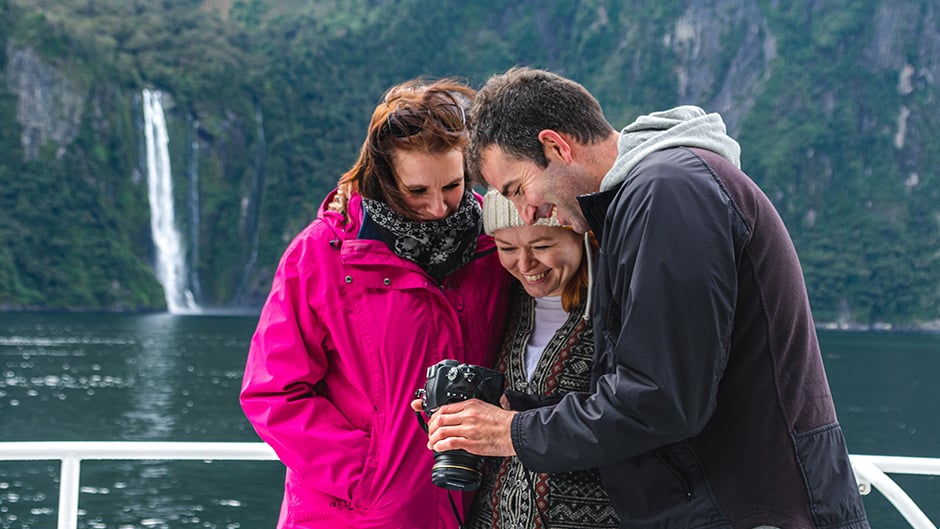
(871, 474)
(68, 491)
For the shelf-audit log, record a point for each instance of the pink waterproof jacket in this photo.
(342, 344)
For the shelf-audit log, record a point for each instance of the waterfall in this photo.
(194, 214)
(253, 208)
(170, 258)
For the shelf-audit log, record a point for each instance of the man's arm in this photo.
(671, 268)
(669, 273)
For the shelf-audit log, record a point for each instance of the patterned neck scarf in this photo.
(439, 247)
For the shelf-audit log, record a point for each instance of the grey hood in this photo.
(684, 126)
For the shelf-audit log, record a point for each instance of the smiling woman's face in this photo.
(430, 184)
(542, 258)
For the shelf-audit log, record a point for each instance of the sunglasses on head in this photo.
(408, 121)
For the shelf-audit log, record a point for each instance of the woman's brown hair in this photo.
(417, 115)
(574, 294)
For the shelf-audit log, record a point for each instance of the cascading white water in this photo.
(193, 254)
(170, 257)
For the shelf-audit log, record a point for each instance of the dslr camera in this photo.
(450, 381)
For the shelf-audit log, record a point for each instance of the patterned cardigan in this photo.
(512, 497)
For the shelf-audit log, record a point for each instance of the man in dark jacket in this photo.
(710, 406)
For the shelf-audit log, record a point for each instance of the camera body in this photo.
(450, 381)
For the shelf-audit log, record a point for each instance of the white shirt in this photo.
(549, 316)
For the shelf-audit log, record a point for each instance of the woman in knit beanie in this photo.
(547, 351)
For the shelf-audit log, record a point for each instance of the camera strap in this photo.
(450, 497)
(424, 425)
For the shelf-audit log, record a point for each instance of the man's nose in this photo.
(543, 212)
(526, 212)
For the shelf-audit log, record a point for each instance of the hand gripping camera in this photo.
(450, 381)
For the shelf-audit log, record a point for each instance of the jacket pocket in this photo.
(363, 494)
(830, 481)
(663, 488)
(646, 484)
(305, 503)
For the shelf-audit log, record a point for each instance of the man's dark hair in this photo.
(513, 107)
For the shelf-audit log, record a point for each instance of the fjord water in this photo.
(156, 377)
(162, 377)
(885, 390)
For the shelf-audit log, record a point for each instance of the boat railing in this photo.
(871, 471)
(72, 453)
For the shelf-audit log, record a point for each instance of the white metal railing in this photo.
(71, 453)
(870, 471)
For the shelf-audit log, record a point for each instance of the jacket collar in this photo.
(594, 207)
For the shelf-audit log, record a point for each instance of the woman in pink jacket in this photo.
(393, 276)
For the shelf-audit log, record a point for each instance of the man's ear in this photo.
(555, 146)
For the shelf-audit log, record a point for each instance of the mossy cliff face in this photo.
(76, 216)
(266, 102)
(50, 105)
(68, 218)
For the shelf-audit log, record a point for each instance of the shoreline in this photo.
(931, 327)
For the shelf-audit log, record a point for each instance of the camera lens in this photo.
(457, 470)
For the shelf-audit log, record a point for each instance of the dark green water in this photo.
(176, 378)
(885, 387)
(131, 377)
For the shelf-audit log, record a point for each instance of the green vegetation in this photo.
(267, 102)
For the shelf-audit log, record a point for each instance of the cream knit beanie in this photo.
(500, 213)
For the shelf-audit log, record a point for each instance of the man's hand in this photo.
(471, 425)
